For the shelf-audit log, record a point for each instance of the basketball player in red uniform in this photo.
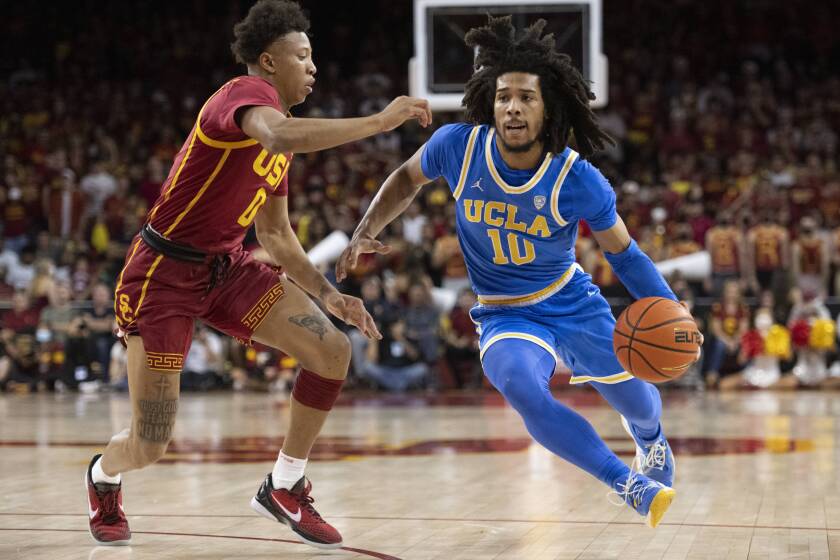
(768, 249)
(725, 245)
(188, 262)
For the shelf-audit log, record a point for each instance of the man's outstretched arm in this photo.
(277, 133)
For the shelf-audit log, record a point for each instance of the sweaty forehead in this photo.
(518, 80)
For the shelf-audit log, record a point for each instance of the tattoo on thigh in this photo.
(157, 416)
(312, 322)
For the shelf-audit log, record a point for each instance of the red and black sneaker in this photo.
(294, 508)
(108, 524)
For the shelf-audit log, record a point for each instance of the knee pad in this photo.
(315, 391)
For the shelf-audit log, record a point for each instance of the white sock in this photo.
(287, 471)
(98, 475)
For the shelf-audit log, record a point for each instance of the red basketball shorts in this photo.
(159, 298)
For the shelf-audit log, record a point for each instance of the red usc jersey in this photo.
(811, 255)
(730, 316)
(221, 178)
(723, 247)
(768, 247)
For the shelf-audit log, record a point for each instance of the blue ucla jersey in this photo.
(517, 228)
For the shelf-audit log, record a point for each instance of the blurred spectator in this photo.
(22, 317)
(461, 342)
(811, 259)
(448, 258)
(422, 320)
(98, 185)
(59, 315)
(203, 364)
(768, 252)
(21, 274)
(394, 363)
(100, 325)
(725, 245)
(729, 321)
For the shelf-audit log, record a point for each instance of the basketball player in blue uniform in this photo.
(520, 191)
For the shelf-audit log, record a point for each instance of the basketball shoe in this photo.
(654, 459)
(650, 499)
(108, 524)
(294, 508)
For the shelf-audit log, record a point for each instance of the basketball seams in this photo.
(633, 332)
(650, 365)
(667, 322)
(666, 348)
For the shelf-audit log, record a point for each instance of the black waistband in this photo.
(169, 248)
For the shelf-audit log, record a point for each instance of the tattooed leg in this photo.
(312, 322)
(154, 403)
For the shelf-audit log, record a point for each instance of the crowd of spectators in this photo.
(726, 118)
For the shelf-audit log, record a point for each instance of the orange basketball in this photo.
(656, 339)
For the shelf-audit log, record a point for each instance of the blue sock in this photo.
(638, 401)
(521, 370)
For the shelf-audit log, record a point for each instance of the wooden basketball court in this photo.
(421, 478)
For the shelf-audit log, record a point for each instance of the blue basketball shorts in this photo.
(574, 325)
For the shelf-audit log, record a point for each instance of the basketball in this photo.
(656, 339)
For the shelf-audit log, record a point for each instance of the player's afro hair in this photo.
(267, 21)
(564, 90)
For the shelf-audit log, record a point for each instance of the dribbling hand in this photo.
(403, 108)
(350, 256)
(352, 311)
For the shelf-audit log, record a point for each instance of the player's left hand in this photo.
(700, 349)
(352, 311)
(359, 245)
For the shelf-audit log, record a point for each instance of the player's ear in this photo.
(266, 62)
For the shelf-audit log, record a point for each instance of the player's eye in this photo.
(301, 57)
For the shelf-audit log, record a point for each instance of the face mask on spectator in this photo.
(43, 335)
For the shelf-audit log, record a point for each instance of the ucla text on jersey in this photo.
(517, 228)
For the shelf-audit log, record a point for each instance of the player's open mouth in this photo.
(515, 129)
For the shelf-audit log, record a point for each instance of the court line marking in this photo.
(371, 553)
(447, 519)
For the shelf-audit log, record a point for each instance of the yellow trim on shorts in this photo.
(522, 336)
(536, 297)
(165, 362)
(465, 166)
(608, 379)
(146, 285)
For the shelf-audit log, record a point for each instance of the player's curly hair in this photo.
(565, 92)
(267, 20)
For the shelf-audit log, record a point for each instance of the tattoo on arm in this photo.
(311, 322)
(157, 416)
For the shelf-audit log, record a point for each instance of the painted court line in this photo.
(372, 554)
(446, 519)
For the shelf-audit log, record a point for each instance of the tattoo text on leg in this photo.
(311, 322)
(157, 417)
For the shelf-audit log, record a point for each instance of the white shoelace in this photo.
(632, 489)
(655, 458)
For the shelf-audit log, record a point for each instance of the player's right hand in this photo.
(358, 246)
(403, 108)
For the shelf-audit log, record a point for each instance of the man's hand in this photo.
(350, 256)
(403, 108)
(352, 311)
